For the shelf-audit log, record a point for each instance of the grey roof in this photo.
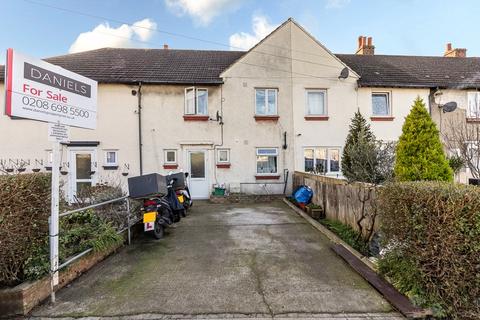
(121, 65)
(414, 71)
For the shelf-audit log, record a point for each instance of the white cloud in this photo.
(122, 37)
(336, 4)
(202, 11)
(261, 28)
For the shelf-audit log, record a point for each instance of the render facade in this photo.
(285, 105)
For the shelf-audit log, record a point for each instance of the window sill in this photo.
(113, 167)
(266, 118)
(267, 177)
(170, 166)
(317, 118)
(188, 117)
(473, 120)
(223, 165)
(382, 118)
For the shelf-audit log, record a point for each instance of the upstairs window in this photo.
(223, 156)
(196, 101)
(381, 104)
(316, 102)
(473, 110)
(266, 102)
(267, 159)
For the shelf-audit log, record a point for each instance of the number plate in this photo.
(180, 198)
(149, 226)
(149, 217)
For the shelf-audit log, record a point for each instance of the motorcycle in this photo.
(157, 216)
(184, 197)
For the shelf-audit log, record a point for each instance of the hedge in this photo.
(431, 234)
(24, 212)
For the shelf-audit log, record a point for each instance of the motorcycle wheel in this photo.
(183, 213)
(176, 216)
(158, 230)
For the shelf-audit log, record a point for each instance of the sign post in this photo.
(42, 91)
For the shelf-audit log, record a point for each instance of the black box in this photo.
(147, 186)
(474, 182)
(180, 181)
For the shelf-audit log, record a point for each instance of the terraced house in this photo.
(243, 119)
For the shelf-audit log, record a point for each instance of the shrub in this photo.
(431, 231)
(24, 212)
(347, 234)
(420, 153)
(364, 158)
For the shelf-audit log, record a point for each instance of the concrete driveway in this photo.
(225, 261)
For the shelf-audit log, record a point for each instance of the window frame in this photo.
(165, 155)
(105, 158)
(219, 161)
(266, 90)
(327, 156)
(476, 94)
(195, 101)
(388, 94)
(257, 154)
(325, 100)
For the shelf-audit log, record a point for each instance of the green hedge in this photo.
(432, 236)
(24, 212)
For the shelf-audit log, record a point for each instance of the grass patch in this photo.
(347, 234)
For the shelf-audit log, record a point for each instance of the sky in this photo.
(44, 28)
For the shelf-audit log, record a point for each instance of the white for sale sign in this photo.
(42, 91)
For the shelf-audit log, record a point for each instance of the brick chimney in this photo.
(165, 46)
(454, 52)
(365, 46)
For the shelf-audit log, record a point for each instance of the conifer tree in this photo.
(360, 144)
(420, 154)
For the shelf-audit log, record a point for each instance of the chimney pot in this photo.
(165, 46)
(449, 46)
(365, 46)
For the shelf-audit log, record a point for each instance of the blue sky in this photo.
(413, 27)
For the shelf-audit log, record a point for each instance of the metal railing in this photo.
(93, 206)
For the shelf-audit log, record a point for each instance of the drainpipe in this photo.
(215, 146)
(139, 110)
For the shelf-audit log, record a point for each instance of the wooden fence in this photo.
(350, 203)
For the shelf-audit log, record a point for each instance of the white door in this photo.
(198, 178)
(82, 171)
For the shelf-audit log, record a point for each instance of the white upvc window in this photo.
(267, 160)
(170, 156)
(223, 156)
(196, 101)
(473, 110)
(111, 158)
(316, 102)
(322, 160)
(266, 102)
(381, 104)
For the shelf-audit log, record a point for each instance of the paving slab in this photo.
(226, 261)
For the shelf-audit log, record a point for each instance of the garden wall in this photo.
(342, 201)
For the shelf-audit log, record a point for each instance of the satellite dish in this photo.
(449, 106)
(344, 73)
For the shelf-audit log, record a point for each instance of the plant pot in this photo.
(317, 213)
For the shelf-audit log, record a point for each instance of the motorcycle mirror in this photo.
(186, 174)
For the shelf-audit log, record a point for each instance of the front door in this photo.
(198, 179)
(82, 171)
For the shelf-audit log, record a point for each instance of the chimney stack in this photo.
(165, 46)
(454, 52)
(365, 46)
